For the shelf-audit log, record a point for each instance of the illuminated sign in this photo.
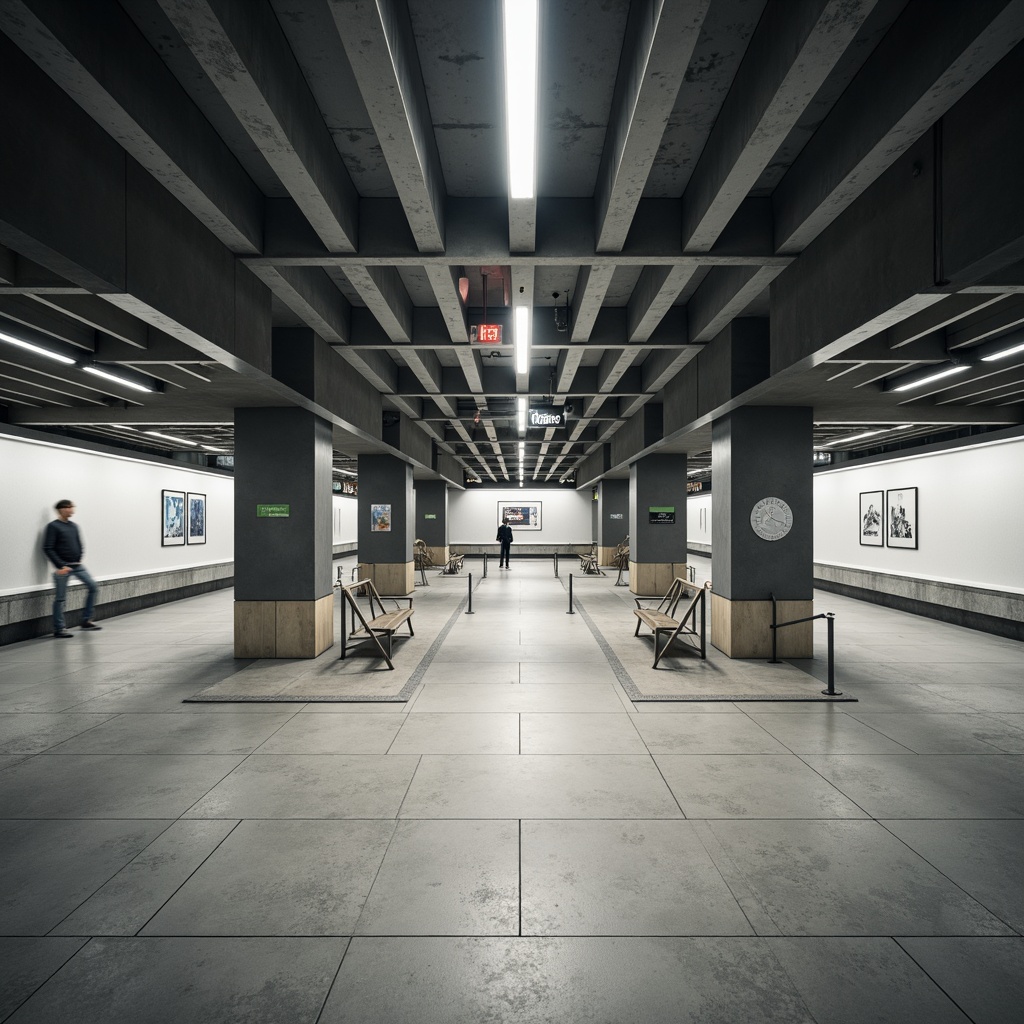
(485, 334)
(548, 416)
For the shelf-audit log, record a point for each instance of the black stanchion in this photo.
(774, 660)
(830, 619)
(485, 565)
(570, 611)
(469, 611)
(556, 564)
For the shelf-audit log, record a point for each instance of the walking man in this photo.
(505, 538)
(62, 545)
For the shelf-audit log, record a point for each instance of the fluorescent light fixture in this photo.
(928, 378)
(1012, 351)
(169, 437)
(210, 448)
(522, 447)
(522, 415)
(522, 338)
(97, 372)
(850, 440)
(520, 23)
(520, 483)
(37, 349)
(122, 426)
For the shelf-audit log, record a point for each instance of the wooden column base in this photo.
(652, 579)
(739, 629)
(284, 629)
(392, 579)
(439, 553)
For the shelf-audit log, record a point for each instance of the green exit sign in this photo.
(273, 511)
(429, 515)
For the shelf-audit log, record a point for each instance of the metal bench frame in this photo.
(381, 622)
(662, 619)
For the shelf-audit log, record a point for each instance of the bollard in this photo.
(830, 619)
(485, 565)
(774, 660)
(570, 611)
(556, 565)
(470, 609)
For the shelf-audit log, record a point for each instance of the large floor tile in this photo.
(455, 733)
(564, 980)
(447, 878)
(847, 878)
(580, 734)
(497, 697)
(945, 733)
(280, 878)
(706, 734)
(171, 980)
(623, 878)
(539, 786)
(832, 734)
(32, 733)
(28, 964)
(334, 734)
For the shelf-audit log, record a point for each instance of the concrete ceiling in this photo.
(787, 202)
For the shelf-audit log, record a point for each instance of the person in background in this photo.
(505, 538)
(62, 545)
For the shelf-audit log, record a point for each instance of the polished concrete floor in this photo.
(518, 842)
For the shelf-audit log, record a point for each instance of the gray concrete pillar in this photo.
(612, 517)
(386, 524)
(432, 518)
(762, 532)
(657, 523)
(284, 604)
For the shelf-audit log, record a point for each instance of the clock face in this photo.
(771, 518)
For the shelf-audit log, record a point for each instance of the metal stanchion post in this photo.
(775, 633)
(485, 565)
(469, 611)
(570, 611)
(830, 619)
(556, 564)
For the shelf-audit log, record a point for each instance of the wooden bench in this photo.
(588, 563)
(378, 622)
(454, 565)
(663, 620)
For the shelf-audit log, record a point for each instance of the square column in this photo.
(612, 518)
(284, 602)
(657, 523)
(762, 531)
(432, 518)
(386, 524)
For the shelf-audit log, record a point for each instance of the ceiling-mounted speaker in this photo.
(464, 289)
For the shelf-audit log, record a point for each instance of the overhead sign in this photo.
(485, 334)
(547, 416)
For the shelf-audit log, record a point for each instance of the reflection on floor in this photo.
(517, 842)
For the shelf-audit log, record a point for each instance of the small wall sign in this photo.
(273, 511)
(429, 515)
(615, 515)
(661, 515)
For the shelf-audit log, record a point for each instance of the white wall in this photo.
(698, 518)
(565, 515)
(118, 512)
(969, 516)
(346, 522)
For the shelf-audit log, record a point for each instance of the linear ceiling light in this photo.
(37, 349)
(520, 17)
(97, 372)
(1002, 354)
(522, 338)
(522, 415)
(850, 440)
(916, 381)
(169, 437)
(210, 448)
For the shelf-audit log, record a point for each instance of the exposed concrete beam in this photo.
(313, 297)
(47, 321)
(242, 48)
(724, 294)
(384, 295)
(944, 313)
(796, 45)
(444, 281)
(654, 295)
(931, 56)
(378, 40)
(660, 38)
(591, 287)
(660, 367)
(986, 322)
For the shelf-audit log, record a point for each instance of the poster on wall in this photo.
(380, 519)
(901, 517)
(520, 517)
(172, 518)
(196, 505)
(871, 507)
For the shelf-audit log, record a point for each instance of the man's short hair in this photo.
(504, 522)
(64, 503)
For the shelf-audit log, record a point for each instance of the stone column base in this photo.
(392, 579)
(284, 629)
(739, 629)
(652, 579)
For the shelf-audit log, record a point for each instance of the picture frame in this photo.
(872, 519)
(526, 516)
(901, 517)
(195, 529)
(380, 518)
(172, 518)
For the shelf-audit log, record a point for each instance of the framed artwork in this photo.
(520, 517)
(380, 519)
(196, 505)
(172, 518)
(872, 512)
(901, 517)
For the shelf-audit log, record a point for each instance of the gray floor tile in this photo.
(32, 733)
(447, 878)
(847, 878)
(230, 981)
(568, 980)
(110, 785)
(741, 786)
(139, 890)
(280, 878)
(496, 697)
(623, 878)
(29, 963)
(706, 734)
(538, 786)
(467, 733)
(50, 867)
(335, 734)
(570, 733)
(985, 977)
(863, 981)
(944, 733)
(831, 734)
(310, 786)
